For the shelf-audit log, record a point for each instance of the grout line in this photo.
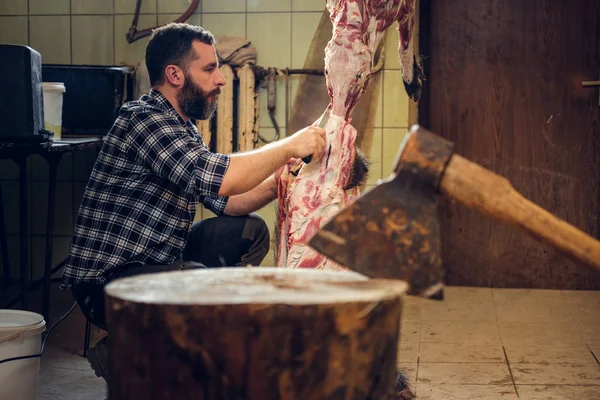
(70, 33)
(512, 378)
(198, 11)
(382, 82)
(417, 373)
(166, 13)
(291, 34)
(420, 305)
(591, 385)
(114, 26)
(82, 15)
(246, 19)
(562, 384)
(28, 25)
(593, 354)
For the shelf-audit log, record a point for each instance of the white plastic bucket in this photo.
(53, 103)
(20, 335)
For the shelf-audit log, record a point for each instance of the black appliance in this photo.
(94, 94)
(21, 98)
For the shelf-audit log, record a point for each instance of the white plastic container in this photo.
(53, 104)
(20, 335)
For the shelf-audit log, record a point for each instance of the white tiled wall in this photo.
(93, 32)
(44, 34)
(131, 53)
(14, 30)
(225, 24)
(45, 7)
(223, 6)
(13, 7)
(90, 48)
(128, 7)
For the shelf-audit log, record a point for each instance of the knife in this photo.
(322, 124)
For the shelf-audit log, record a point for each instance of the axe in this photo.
(392, 230)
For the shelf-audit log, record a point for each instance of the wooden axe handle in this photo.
(494, 196)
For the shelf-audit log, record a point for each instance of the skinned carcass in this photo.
(311, 194)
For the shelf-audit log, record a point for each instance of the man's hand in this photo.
(249, 169)
(307, 141)
(278, 173)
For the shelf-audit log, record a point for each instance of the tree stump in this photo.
(253, 334)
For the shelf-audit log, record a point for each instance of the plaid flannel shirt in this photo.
(141, 197)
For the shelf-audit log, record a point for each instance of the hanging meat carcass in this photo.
(310, 194)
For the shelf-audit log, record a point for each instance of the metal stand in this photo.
(53, 161)
(86, 339)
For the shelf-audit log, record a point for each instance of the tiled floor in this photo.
(503, 344)
(476, 344)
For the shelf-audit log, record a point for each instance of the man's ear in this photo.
(174, 75)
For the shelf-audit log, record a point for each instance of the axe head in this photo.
(392, 230)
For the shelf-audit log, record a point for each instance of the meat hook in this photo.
(134, 34)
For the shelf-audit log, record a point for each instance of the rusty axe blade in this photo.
(392, 230)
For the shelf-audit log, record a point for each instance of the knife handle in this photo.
(307, 159)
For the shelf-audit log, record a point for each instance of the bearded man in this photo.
(153, 170)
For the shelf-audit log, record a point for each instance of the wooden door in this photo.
(504, 83)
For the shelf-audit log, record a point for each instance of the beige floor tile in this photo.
(411, 308)
(558, 392)
(410, 331)
(542, 333)
(427, 391)
(584, 304)
(408, 352)
(590, 332)
(461, 352)
(528, 305)
(460, 332)
(460, 304)
(458, 293)
(410, 339)
(535, 353)
(595, 347)
(556, 374)
(582, 295)
(464, 374)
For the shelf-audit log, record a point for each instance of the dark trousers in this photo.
(216, 242)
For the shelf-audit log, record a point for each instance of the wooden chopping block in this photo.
(254, 334)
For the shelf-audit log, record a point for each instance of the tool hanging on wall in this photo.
(134, 35)
(272, 101)
(268, 80)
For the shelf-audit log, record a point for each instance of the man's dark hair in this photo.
(172, 45)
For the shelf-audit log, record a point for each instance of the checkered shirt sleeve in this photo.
(170, 151)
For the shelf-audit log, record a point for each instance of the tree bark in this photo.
(254, 334)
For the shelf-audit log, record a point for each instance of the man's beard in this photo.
(194, 102)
